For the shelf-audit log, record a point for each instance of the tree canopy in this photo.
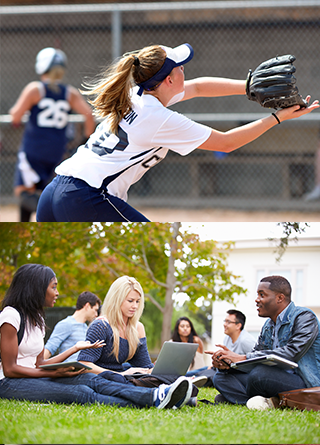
(85, 256)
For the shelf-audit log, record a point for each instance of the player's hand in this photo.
(88, 345)
(297, 111)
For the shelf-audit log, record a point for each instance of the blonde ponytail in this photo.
(111, 91)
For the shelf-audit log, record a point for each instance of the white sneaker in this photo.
(199, 381)
(262, 403)
(175, 395)
(314, 194)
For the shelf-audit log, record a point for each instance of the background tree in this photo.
(162, 256)
(165, 259)
(62, 246)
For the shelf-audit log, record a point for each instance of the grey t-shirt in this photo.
(244, 343)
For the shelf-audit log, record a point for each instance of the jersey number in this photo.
(107, 143)
(54, 114)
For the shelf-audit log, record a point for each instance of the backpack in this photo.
(305, 398)
(21, 329)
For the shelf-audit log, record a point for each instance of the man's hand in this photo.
(222, 358)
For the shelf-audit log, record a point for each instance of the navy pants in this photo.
(267, 381)
(69, 199)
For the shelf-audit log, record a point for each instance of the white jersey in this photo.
(145, 136)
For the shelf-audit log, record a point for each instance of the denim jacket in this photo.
(299, 341)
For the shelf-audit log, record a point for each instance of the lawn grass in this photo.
(30, 422)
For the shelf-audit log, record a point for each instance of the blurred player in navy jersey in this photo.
(44, 141)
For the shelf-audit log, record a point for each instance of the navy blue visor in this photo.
(175, 57)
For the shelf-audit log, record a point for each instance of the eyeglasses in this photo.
(229, 322)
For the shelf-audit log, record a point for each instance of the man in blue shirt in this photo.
(72, 329)
(291, 332)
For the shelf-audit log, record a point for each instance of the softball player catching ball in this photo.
(137, 131)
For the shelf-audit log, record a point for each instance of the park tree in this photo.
(165, 259)
(163, 256)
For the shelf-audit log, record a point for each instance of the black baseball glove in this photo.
(272, 84)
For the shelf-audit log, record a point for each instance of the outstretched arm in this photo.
(9, 354)
(79, 346)
(213, 87)
(237, 137)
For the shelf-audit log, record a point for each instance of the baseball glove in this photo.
(272, 84)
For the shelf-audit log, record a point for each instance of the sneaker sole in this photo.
(186, 397)
(177, 391)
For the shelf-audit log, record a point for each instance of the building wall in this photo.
(256, 259)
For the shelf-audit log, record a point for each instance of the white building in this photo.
(255, 259)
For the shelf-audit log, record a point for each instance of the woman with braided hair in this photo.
(138, 130)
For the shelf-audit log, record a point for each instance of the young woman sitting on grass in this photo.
(34, 287)
(125, 351)
(119, 326)
(185, 332)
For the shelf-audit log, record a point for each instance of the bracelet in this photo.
(274, 114)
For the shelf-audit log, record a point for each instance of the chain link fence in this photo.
(228, 37)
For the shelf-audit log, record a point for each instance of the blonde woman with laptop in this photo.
(125, 338)
(121, 330)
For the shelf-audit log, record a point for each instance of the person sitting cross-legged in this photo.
(291, 332)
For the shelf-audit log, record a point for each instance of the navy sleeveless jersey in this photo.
(45, 138)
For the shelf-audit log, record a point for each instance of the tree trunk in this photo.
(170, 285)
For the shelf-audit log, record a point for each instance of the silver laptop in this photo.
(174, 358)
(270, 360)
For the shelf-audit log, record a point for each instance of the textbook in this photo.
(269, 360)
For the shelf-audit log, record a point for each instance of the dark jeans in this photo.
(238, 387)
(69, 199)
(85, 388)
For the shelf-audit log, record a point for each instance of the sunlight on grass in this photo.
(26, 422)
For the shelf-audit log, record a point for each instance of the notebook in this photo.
(269, 360)
(76, 365)
(174, 358)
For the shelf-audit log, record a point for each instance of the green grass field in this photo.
(37, 423)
